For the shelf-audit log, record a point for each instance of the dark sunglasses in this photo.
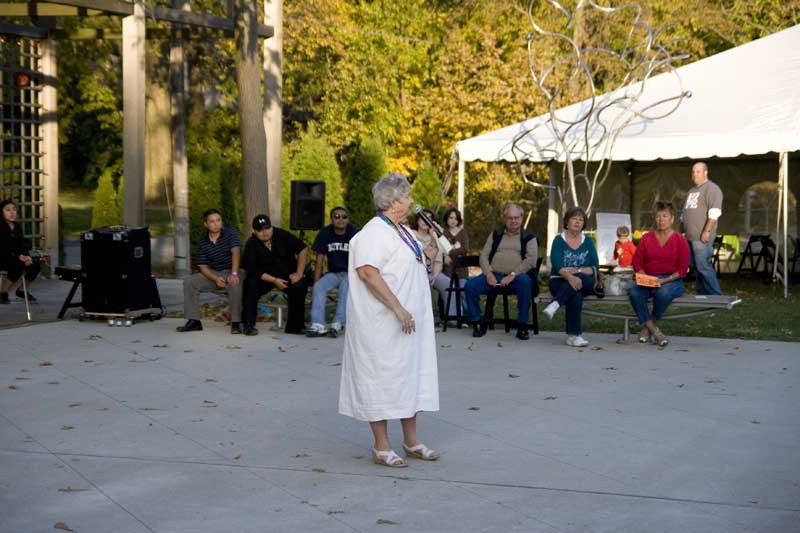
(340, 217)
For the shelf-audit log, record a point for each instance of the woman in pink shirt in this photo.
(662, 253)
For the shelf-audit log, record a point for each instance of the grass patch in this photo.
(762, 315)
(77, 203)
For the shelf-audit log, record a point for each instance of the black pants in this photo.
(17, 268)
(254, 289)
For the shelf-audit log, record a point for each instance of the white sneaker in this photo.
(577, 341)
(551, 309)
(335, 329)
(316, 330)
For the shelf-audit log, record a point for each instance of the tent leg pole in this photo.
(553, 207)
(461, 171)
(785, 209)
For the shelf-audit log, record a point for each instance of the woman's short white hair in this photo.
(391, 187)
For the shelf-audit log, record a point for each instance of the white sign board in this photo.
(607, 224)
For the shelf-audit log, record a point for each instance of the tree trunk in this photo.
(273, 103)
(251, 117)
(180, 166)
(158, 161)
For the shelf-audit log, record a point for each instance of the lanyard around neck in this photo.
(406, 237)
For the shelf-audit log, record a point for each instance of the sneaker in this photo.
(4, 298)
(236, 328)
(551, 309)
(479, 328)
(335, 330)
(522, 333)
(191, 325)
(249, 330)
(316, 330)
(577, 341)
(21, 294)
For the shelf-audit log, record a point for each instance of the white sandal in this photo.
(420, 451)
(388, 458)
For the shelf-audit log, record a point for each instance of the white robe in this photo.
(387, 374)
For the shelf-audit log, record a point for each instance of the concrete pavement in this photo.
(140, 429)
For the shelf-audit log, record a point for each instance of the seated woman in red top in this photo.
(662, 253)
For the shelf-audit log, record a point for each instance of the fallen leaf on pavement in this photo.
(211, 380)
(300, 455)
(74, 405)
(13, 387)
(319, 470)
(62, 526)
(471, 347)
(499, 344)
(72, 489)
(551, 397)
(237, 457)
(232, 347)
(22, 379)
(160, 346)
(446, 345)
(67, 428)
(336, 364)
(45, 363)
(513, 375)
(384, 522)
(473, 409)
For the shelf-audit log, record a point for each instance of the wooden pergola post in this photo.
(133, 111)
(49, 103)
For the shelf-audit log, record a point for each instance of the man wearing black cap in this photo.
(274, 258)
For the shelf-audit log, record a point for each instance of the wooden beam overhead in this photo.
(22, 31)
(108, 7)
(53, 8)
(44, 9)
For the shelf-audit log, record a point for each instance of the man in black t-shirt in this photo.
(333, 243)
(274, 258)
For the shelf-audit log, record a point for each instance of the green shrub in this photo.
(368, 167)
(427, 186)
(107, 209)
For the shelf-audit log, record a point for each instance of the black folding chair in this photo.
(505, 292)
(455, 290)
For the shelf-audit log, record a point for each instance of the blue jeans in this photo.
(707, 282)
(326, 283)
(572, 300)
(662, 297)
(476, 286)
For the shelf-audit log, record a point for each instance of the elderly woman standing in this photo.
(662, 253)
(573, 265)
(389, 365)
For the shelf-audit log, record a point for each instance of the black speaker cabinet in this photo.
(308, 205)
(115, 270)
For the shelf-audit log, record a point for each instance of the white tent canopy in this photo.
(743, 101)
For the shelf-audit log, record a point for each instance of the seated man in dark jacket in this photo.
(507, 260)
(15, 256)
(274, 258)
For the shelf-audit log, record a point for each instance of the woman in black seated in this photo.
(15, 256)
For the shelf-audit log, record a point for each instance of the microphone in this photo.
(444, 244)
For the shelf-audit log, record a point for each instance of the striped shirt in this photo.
(218, 256)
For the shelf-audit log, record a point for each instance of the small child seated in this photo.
(624, 247)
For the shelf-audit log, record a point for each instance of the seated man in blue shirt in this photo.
(218, 255)
(332, 242)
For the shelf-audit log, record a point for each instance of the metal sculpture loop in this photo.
(587, 131)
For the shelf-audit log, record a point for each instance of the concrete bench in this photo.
(690, 305)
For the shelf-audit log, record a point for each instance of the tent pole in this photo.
(461, 169)
(553, 208)
(785, 208)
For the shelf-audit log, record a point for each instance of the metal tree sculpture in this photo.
(587, 131)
